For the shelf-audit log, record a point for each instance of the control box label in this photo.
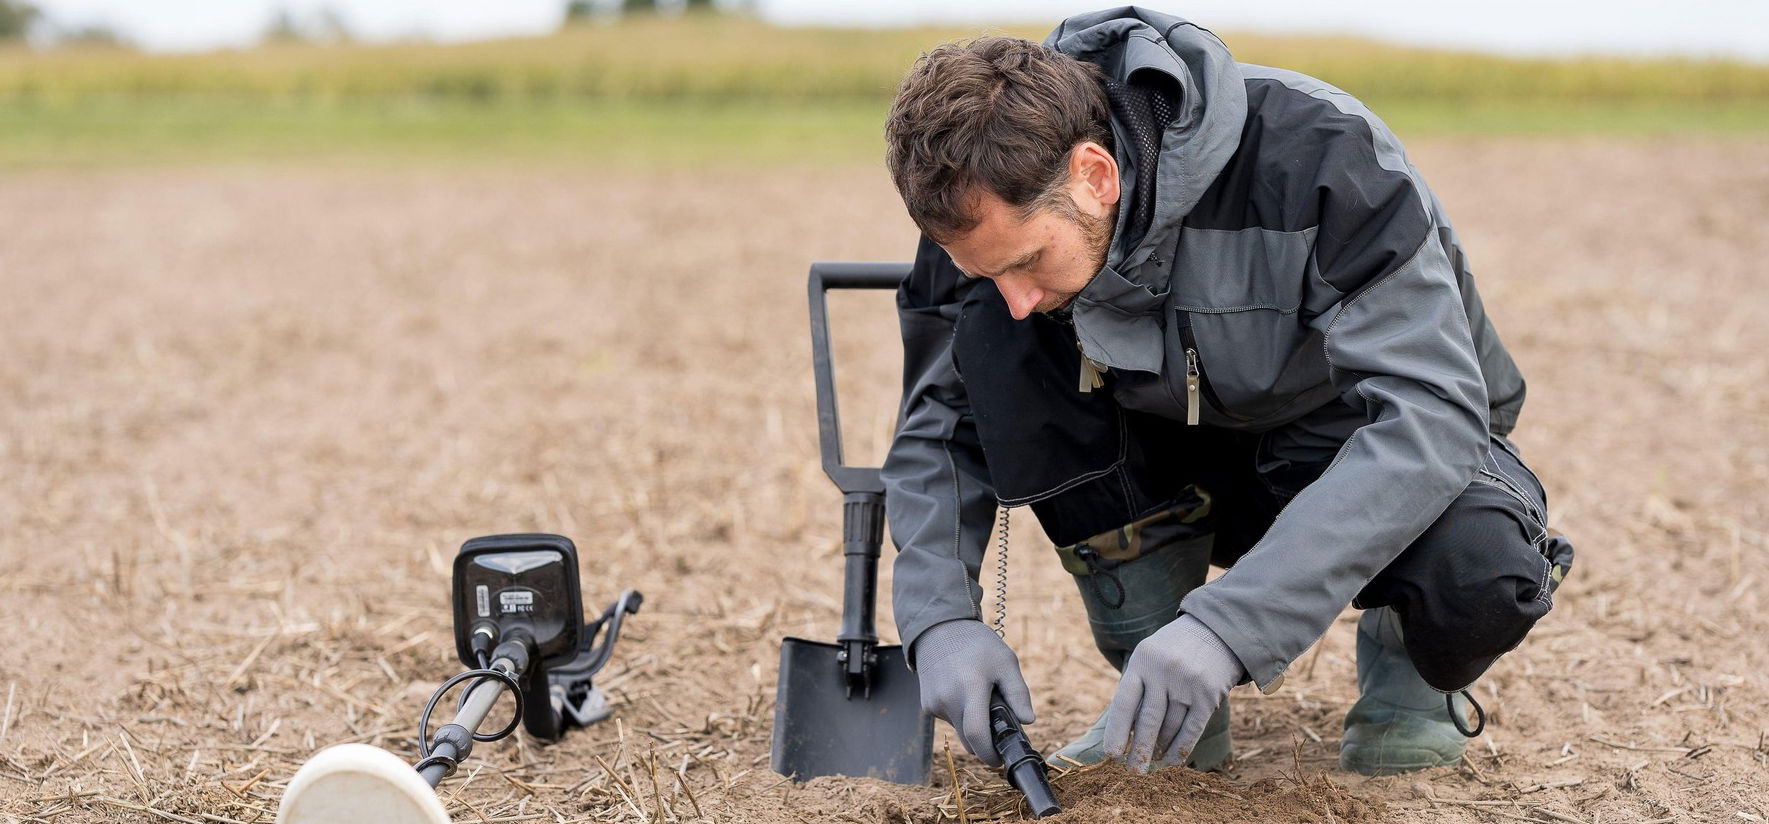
(516, 600)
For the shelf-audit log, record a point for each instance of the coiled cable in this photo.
(1001, 573)
(508, 679)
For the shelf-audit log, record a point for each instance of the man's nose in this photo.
(1022, 298)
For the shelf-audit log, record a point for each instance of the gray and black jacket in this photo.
(1273, 238)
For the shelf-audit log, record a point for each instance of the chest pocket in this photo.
(1239, 300)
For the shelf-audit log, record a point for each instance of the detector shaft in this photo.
(478, 703)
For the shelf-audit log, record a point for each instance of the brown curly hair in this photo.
(998, 112)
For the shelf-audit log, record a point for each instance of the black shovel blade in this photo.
(820, 730)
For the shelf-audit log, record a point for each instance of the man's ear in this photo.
(1093, 178)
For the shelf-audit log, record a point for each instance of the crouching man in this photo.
(1190, 311)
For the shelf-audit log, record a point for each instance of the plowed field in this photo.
(249, 414)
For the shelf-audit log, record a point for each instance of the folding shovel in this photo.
(852, 707)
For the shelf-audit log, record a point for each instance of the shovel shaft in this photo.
(862, 534)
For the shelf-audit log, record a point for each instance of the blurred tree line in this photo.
(22, 22)
(16, 19)
(323, 26)
(581, 10)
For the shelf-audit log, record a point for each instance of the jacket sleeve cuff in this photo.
(1263, 666)
(921, 622)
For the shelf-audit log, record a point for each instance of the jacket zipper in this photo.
(1191, 387)
(1092, 375)
(1504, 485)
(1196, 382)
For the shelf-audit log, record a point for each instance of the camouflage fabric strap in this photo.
(1186, 517)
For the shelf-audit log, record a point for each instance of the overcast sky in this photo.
(1737, 28)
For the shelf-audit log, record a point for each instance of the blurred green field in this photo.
(727, 90)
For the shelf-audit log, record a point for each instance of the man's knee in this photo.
(1468, 590)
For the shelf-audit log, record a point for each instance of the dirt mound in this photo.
(1111, 793)
(1107, 793)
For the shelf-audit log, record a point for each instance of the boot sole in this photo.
(1357, 760)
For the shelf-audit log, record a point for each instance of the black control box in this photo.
(529, 582)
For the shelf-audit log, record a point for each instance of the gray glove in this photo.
(960, 663)
(1174, 681)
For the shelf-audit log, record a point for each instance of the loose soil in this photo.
(250, 413)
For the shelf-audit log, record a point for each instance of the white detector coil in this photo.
(357, 783)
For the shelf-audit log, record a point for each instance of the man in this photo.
(1160, 297)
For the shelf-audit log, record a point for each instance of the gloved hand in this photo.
(1173, 682)
(960, 663)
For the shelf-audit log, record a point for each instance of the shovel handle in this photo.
(824, 277)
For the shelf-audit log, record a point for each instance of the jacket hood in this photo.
(1178, 106)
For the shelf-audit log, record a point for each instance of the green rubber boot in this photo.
(1213, 749)
(1399, 722)
(1131, 583)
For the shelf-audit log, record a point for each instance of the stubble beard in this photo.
(1097, 232)
(1096, 235)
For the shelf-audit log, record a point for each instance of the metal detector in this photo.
(518, 617)
(852, 707)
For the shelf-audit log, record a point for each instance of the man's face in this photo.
(1040, 263)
